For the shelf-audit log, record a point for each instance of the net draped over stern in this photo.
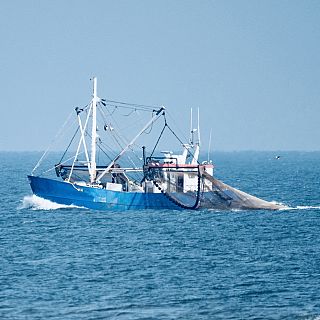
(233, 198)
(210, 193)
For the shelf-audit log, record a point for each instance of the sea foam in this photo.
(301, 208)
(34, 202)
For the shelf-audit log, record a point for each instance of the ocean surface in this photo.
(61, 262)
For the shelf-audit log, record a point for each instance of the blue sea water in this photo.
(73, 263)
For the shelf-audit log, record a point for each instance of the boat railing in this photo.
(157, 161)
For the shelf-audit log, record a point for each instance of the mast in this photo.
(197, 145)
(209, 146)
(191, 128)
(94, 132)
(199, 126)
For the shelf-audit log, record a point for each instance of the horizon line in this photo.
(201, 152)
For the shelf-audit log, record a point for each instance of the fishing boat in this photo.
(161, 180)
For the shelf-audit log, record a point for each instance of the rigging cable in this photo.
(142, 106)
(181, 142)
(53, 140)
(154, 148)
(151, 127)
(69, 145)
(166, 125)
(50, 169)
(116, 136)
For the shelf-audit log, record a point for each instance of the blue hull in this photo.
(99, 199)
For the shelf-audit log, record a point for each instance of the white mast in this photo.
(209, 146)
(94, 132)
(197, 146)
(191, 128)
(199, 126)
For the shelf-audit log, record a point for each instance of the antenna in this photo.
(191, 129)
(209, 145)
(199, 126)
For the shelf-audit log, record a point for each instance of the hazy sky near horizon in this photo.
(253, 67)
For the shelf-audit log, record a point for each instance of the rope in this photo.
(53, 168)
(142, 106)
(49, 147)
(165, 125)
(151, 127)
(69, 144)
(181, 142)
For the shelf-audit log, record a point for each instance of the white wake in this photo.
(307, 207)
(36, 203)
(302, 208)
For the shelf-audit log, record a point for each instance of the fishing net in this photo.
(226, 196)
(211, 193)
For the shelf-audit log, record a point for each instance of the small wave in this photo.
(37, 203)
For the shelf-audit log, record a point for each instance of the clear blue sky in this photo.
(253, 67)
